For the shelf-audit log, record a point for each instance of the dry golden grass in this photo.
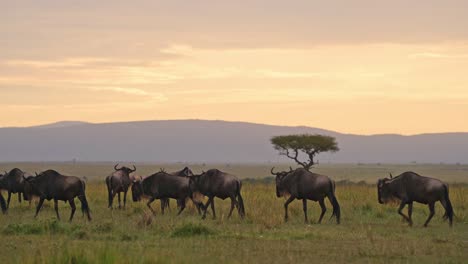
(369, 232)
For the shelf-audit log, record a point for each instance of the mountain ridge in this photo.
(195, 140)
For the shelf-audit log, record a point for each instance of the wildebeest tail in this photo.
(336, 206)
(84, 202)
(3, 204)
(448, 206)
(240, 208)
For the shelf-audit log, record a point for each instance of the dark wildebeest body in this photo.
(52, 185)
(13, 182)
(215, 183)
(162, 185)
(411, 187)
(118, 182)
(304, 185)
(185, 172)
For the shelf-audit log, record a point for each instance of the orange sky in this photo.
(365, 68)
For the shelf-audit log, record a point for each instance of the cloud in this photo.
(287, 75)
(132, 91)
(67, 62)
(159, 97)
(434, 55)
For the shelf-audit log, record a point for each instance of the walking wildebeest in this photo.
(304, 185)
(52, 185)
(411, 187)
(215, 183)
(119, 181)
(13, 182)
(162, 185)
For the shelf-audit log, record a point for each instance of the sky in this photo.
(363, 67)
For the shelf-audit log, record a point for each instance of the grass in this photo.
(369, 233)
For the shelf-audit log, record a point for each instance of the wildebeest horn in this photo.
(391, 176)
(134, 168)
(115, 167)
(272, 172)
(290, 168)
(36, 173)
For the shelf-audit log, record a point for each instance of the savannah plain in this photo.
(369, 232)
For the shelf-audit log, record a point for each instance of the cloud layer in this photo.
(362, 66)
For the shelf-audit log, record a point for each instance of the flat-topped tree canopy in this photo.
(292, 146)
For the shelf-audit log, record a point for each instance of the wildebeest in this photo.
(13, 182)
(162, 185)
(119, 181)
(215, 183)
(304, 185)
(52, 185)
(410, 187)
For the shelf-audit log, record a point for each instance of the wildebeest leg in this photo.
(198, 205)
(8, 200)
(118, 194)
(149, 205)
(206, 207)
(110, 196)
(39, 206)
(85, 206)
(163, 205)
(410, 212)
(167, 205)
(290, 199)
(400, 210)
(181, 206)
(304, 208)
(73, 208)
(112, 199)
(324, 209)
(213, 207)
(56, 208)
(125, 199)
(431, 214)
(233, 204)
(19, 197)
(2, 203)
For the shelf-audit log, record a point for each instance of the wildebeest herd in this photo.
(184, 185)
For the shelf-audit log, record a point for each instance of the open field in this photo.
(369, 233)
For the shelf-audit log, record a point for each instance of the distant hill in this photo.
(212, 141)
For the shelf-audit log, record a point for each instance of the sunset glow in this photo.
(293, 65)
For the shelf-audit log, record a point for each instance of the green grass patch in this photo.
(190, 230)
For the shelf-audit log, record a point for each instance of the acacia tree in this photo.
(292, 146)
